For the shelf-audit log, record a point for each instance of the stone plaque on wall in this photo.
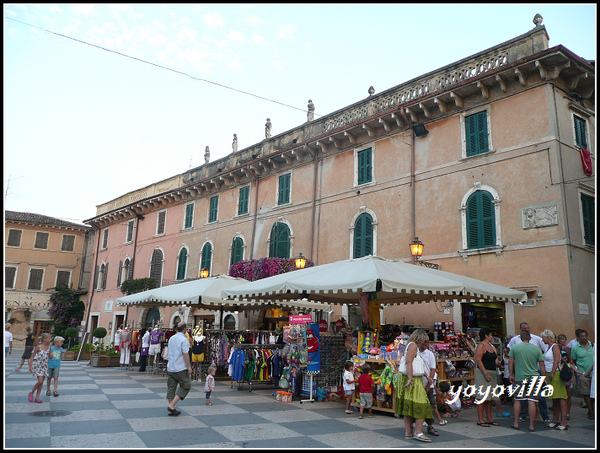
(538, 217)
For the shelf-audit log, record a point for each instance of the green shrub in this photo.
(99, 332)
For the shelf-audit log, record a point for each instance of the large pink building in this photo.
(484, 160)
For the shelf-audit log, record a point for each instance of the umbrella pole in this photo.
(221, 322)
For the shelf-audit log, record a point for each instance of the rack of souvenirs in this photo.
(255, 363)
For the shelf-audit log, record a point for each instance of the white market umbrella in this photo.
(395, 282)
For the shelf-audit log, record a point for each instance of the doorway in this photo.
(478, 315)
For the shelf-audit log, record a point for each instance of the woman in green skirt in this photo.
(552, 362)
(411, 398)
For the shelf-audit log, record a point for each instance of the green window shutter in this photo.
(363, 236)
(181, 265)
(481, 221)
(365, 167)
(206, 257)
(243, 204)
(156, 267)
(580, 132)
(214, 209)
(284, 189)
(189, 215)
(237, 250)
(589, 219)
(476, 133)
(280, 241)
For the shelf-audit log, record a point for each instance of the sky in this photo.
(104, 99)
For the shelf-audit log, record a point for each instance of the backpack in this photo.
(565, 373)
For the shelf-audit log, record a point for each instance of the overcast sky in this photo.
(83, 125)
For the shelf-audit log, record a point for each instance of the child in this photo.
(349, 385)
(442, 397)
(38, 362)
(54, 364)
(365, 382)
(209, 385)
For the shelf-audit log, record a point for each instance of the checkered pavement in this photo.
(113, 408)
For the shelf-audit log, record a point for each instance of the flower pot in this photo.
(70, 355)
(105, 360)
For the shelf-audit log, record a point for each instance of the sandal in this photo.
(55, 393)
(484, 424)
(443, 422)
(173, 411)
(48, 393)
(410, 436)
(431, 430)
(561, 427)
(422, 437)
(37, 400)
(30, 397)
(493, 423)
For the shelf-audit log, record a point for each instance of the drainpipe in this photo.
(314, 208)
(137, 227)
(255, 217)
(89, 308)
(412, 173)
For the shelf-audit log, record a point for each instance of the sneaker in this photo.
(504, 414)
(369, 416)
(444, 422)
(360, 417)
(521, 419)
(349, 412)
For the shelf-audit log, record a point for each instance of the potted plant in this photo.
(99, 356)
(71, 333)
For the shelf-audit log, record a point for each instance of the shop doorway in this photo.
(40, 327)
(478, 315)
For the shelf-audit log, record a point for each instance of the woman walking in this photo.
(39, 364)
(30, 344)
(559, 395)
(411, 398)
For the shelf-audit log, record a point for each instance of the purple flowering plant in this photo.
(66, 309)
(256, 269)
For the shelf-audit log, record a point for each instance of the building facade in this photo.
(41, 253)
(489, 161)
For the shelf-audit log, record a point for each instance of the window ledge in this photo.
(482, 251)
(366, 184)
(468, 158)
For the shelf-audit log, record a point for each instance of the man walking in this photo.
(178, 369)
(583, 356)
(523, 361)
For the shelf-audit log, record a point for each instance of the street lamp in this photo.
(204, 273)
(416, 250)
(300, 261)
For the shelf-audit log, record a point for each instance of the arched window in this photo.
(182, 264)
(152, 317)
(229, 322)
(206, 259)
(156, 266)
(279, 246)
(363, 236)
(237, 250)
(481, 220)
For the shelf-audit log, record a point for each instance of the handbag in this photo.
(418, 366)
(565, 373)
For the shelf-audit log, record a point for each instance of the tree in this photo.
(66, 310)
(71, 333)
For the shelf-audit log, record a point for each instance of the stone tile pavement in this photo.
(114, 408)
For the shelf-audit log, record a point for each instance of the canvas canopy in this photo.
(394, 281)
(207, 293)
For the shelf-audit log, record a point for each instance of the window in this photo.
(160, 222)
(36, 279)
(363, 236)
(10, 277)
(237, 250)
(284, 189)
(481, 220)
(476, 134)
(588, 212)
(229, 322)
(152, 318)
(214, 209)
(580, 132)
(189, 216)
(243, 200)
(156, 265)
(364, 166)
(181, 264)
(63, 278)
(41, 240)
(125, 270)
(68, 243)
(279, 246)
(100, 279)
(129, 234)
(105, 239)
(14, 238)
(206, 258)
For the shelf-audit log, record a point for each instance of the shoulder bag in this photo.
(418, 365)
(565, 373)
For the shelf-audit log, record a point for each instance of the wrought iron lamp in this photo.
(416, 250)
(204, 273)
(300, 261)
